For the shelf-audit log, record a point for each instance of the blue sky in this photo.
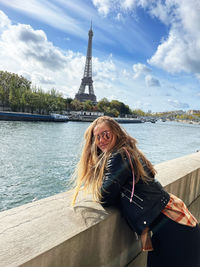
(146, 53)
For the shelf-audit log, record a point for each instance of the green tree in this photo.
(138, 112)
(87, 105)
(68, 102)
(114, 112)
(76, 105)
(3, 97)
(14, 97)
(12, 87)
(103, 104)
(60, 102)
(115, 104)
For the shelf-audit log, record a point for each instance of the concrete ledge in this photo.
(49, 232)
(181, 177)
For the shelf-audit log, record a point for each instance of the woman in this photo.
(117, 173)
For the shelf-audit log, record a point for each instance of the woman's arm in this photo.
(117, 173)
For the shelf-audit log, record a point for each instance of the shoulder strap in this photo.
(133, 187)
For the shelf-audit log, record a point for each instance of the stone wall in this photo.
(49, 232)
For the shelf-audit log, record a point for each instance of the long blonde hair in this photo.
(90, 169)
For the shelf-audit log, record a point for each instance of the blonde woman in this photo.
(117, 173)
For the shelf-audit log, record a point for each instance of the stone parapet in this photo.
(49, 232)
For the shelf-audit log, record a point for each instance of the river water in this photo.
(38, 158)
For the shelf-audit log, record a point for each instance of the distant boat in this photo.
(82, 118)
(20, 116)
(152, 120)
(59, 117)
(90, 118)
(128, 120)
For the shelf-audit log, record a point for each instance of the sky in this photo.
(146, 53)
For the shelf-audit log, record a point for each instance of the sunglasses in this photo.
(106, 135)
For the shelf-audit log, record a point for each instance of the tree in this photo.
(103, 104)
(60, 103)
(12, 88)
(76, 105)
(3, 97)
(115, 104)
(68, 102)
(114, 112)
(87, 105)
(120, 107)
(138, 112)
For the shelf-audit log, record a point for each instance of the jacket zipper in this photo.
(134, 194)
(123, 195)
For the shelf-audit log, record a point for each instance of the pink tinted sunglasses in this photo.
(106, 135)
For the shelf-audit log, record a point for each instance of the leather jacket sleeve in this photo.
(116, 174)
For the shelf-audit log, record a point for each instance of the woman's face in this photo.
(104, 138)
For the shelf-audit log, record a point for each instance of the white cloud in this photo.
(4, 21)
(54, 16)
(178, 53)
(104, 70)
(164, 11)
(141, 105)
(178, 104)
(181, 50)
(103, 6)
(128, 4)
(133, 4)
(28, 52)
(119, 16)
(125, 73)
(140, 69)
(71, 17)
(25, 74)
(42, 79)
(151, 81)
(198, 76)
(23, 43)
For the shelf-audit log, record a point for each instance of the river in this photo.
(38, 158)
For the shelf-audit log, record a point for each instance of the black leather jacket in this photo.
(148, 199)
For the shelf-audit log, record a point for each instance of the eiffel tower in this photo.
(87, 76)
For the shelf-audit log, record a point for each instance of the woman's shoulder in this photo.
(117, 166)
(117, 157)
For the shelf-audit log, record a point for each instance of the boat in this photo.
(21, 116)
(128, 120)
(59, 117)
(91, 118)
(82, 118)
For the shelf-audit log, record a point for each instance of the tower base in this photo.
(84, 97)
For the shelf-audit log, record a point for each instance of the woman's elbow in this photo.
(109, 201)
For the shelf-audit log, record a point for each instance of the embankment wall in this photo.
(50, 233)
